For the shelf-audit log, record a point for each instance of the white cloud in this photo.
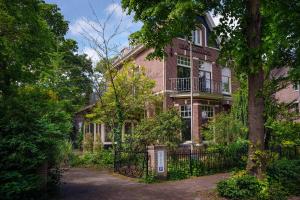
(92, 54)
(84, 26)
(116, 9)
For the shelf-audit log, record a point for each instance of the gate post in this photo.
(158, 160)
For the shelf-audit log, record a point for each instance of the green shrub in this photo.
(275, 191)
(101, 158)
(224, 129)
(178, 170)
(286, 172)
(240, 186)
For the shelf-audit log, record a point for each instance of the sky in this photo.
(79, 14)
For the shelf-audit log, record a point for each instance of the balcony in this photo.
(200, 85)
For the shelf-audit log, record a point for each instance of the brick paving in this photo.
(92, 184)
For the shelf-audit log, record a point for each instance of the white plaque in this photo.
(160, 161)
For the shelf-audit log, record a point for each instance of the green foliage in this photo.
(164, 128)
(215, 159)
(127, 96)
(32, 123)
(240, 186)
(225, 129)
(284, 133)
(275, 191)
(286, 172)
(175, 173)
(283, 180)
(99, 159)
(239, 109)
(35, 111)
(150, 178)
(64, 152)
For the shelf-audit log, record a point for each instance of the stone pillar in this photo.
(196, 123)
(158, 160)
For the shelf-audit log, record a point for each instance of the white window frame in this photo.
(183, 61)
(210, 106)
(229, 81)
(197, 34)
(185, 111)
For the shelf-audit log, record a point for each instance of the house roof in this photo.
(139, 48)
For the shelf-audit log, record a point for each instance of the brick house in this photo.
(289, 94)
(212, 83)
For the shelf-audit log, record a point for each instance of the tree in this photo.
(68, 76)
(104, 44)
(162, 128)
(248, 45)
(134, 91)
(34, 119)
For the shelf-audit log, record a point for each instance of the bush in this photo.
(275, 191)
(99, 159)
(286, 172)
(164, 128)
(225, 129)
(240, 186)
(32, 125)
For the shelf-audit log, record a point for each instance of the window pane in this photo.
(183, 61)
(183, 72)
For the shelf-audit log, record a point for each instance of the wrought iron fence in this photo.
(131, 164)
(289, 152)
(201, 162)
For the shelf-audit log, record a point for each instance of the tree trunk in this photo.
(255, 87)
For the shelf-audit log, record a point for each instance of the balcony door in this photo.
(183, 78)
(205, 83)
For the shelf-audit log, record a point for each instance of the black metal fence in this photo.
(289, 152)
(186, 163)
(131, 164)
(183, 163)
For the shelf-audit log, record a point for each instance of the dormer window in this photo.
(197, 36)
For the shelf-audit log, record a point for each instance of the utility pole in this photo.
(192, 88)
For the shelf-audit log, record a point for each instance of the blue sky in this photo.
(79, 15)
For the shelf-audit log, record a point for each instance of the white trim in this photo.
(205, 35)
(210, 21)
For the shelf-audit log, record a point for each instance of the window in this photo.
(185, 111)
(183, 74)
(89, 128)
(197, 34)
(205, 81)
(226, 81)
(207, 112)
(183, 61)
(295, 107)
(296, 86)
(108, 133)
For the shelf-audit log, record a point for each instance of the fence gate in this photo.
(131, 164)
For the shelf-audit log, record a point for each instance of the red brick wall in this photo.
(181, 47)
(154, 68)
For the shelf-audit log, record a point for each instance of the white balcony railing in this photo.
(199, 85)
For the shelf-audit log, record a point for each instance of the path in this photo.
(88, 184)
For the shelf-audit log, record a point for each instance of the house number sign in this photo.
(160, 161)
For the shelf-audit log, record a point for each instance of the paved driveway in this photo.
(89, 184)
